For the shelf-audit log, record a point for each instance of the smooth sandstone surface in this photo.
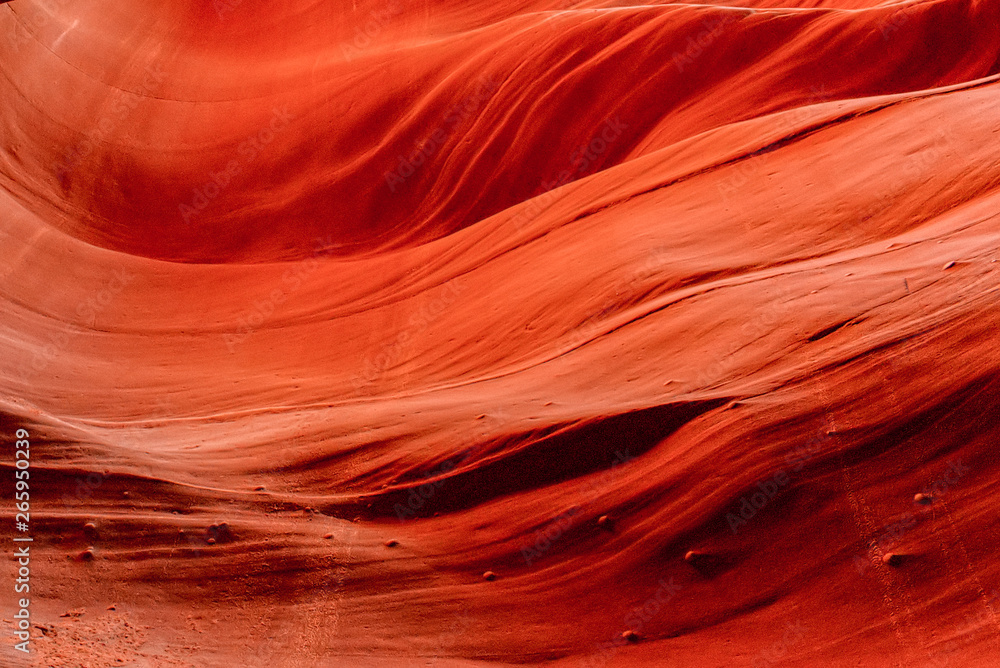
(344, 323)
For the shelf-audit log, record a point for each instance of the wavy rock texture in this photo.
(662, 314)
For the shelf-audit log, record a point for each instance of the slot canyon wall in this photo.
(395, 333)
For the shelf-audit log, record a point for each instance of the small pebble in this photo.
(87, 554)
(949, 265)
(604, 522)
(692, 556)
(922, 498)
(489, 576)
(391, 543)
(891, 559)
(327, 536)
(630, 636)
(210, 541)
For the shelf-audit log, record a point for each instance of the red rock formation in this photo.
(319, 313)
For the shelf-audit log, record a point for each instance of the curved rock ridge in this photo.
(535, 333)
